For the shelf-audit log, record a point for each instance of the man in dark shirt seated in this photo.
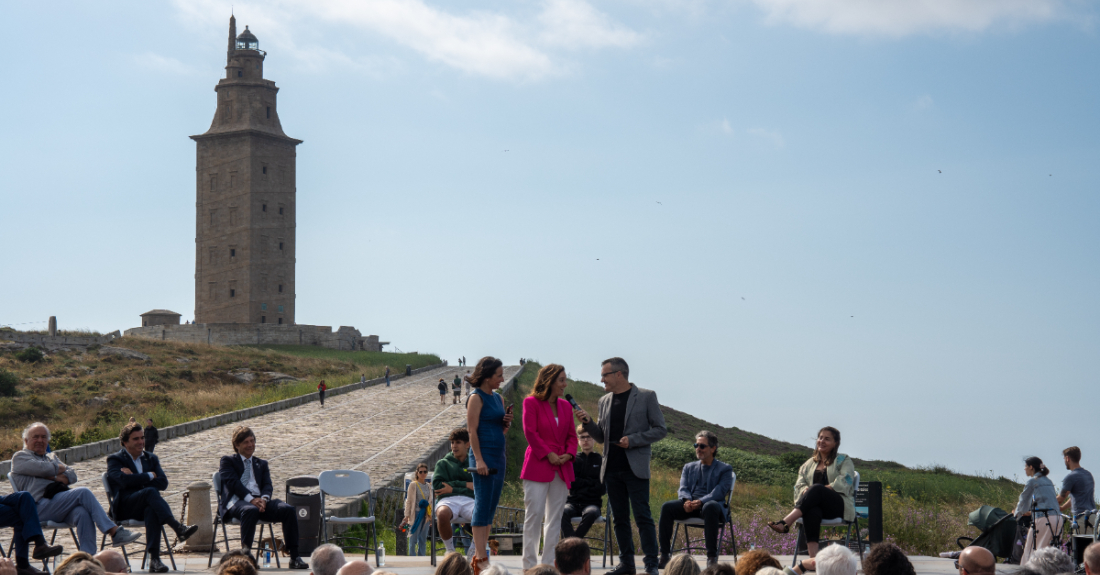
(586, 493)
(704, 485)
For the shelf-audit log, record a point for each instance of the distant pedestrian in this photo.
(442, 391)
(456, 389)
(151, 436)
(387, 376)
(321, 387)
(464, 361)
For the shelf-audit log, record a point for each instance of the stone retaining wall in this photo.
(56, 342)
(345, 337)
(101, 448)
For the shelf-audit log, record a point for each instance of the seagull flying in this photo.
(940, 171)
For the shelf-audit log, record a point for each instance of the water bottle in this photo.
(267, 558)
(381, 554)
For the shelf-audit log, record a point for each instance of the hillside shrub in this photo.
(92, 435)
(30, 355)
(8, 381)
(793, 460)
(62, 439)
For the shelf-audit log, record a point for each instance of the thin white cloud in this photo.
(773, 138)
(905, 17)
(576, 24)
(483, 43)
(724, 125)
(165, 64)
(924, 102)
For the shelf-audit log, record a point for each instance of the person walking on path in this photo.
(387, 376)
(419, 502)
(548, 463)
(456, 388)
(442, 386)
(630, 420)
(488, 421)
(321, 387)
(151, 435)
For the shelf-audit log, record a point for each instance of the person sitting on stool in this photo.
(137, 480)
(586, 493)
(246, 495)
(704, 485)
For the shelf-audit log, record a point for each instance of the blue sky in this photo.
(784, 214)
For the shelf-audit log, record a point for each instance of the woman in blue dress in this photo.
(487, 421)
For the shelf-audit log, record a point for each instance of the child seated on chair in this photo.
(704, 485)
(454, 488)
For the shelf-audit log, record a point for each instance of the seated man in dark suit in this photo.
(19, 511)
(704, 485)
(246, 495)
(136, 479)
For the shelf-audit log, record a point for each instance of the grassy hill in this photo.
(87, 397)
(923, 509)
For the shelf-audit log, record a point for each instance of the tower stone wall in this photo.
(245, 200)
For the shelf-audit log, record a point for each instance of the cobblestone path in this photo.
(378, 430)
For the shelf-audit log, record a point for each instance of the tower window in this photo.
(280, 288)
(264, 208)
(263, 319)
(280, 309)
(240, 73)
(265, 169)
(269, 111)
(232, 252)
(232, 292)
(263, 307)
(280, 321)
(280, 246)
(280, 210)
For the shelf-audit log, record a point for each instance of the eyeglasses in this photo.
(422, 471)
(610, 373)
(698, 445)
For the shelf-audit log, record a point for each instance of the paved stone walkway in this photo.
(378, 430)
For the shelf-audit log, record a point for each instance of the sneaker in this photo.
(124, 536)
(623, 569)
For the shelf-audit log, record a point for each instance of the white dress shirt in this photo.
(137, 464)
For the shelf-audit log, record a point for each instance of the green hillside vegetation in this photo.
(86, 397)
(924, 510)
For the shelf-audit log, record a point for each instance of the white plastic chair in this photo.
(55, 525)
(835, 522)
(348, 483)
(699, 523)
(131, 523)
(216, 481)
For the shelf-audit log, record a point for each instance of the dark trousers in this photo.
(147, 505)
(712, 512)
(322, 393)
(626, 491)
(588, 513)
(248, 514)
(819, 502)
(19, 511)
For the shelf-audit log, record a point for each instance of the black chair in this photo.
(216, 480)
(698, 523)
(134, 523)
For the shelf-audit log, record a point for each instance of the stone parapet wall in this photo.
(347, 338)
(56, 342)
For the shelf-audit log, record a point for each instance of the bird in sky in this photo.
(660, 203)
(742, 298)
(940, 171)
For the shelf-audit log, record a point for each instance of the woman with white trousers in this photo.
(547, 466)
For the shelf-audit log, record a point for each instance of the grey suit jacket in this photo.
(644, 425)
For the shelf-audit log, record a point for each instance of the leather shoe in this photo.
(652, 570)
(46, 551)
(665, 558)
(297, 563)
(157, 566)
(28, 570)
(623, 569)
(186, 531)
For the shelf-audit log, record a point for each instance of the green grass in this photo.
(924, 510)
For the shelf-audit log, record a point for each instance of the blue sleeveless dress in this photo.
(490, 435)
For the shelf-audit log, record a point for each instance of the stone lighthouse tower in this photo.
(245, 209)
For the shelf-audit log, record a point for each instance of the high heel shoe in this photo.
(780, 526)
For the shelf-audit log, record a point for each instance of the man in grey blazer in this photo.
(630, 420)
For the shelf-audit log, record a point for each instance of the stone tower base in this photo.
(347, 338)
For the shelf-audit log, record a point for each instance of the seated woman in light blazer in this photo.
(547, 466)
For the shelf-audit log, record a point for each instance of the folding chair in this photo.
(55, 525)
(216, 480)
(698, 522)
(134, 523)
(605, 541)
(348, 483)
(837, 522)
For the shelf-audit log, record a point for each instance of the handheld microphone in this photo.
(573, 402)
(492, 470)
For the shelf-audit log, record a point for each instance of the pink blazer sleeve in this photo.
(532, 411)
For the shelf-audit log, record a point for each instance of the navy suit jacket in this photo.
(123, 484)
(230, 471)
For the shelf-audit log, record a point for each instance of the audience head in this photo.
(422, 472)
(485, 369)
(244, 441)
(706, 445)
(615, 374)
(682, 564)
(1050, 561)
(327, 559)
(751, 562)
(460, 442)
(239, 554)
(1092, 558)
(537, 570)
(497, 569)
(836, 560)
(356, 567)
(36, 437)
(148, 422)
(80, 563)
(1070, 454)
(132, 438)
(720, 569)
(238, 565)
(828, 442)
(887, 559)
(977, 561)
(544, 381)
(768, 570)
(572, 556)
(453, 564)
(113, 561)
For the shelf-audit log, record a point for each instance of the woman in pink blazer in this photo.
(548, 464)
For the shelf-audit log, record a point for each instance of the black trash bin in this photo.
(408, 369)
(308, 508)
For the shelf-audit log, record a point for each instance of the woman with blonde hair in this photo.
(682, 564)
(755, 560)
(453, 564)
(825, 489)
(547, 466)
(419, 502)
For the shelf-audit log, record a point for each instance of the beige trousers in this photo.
(542, 500)
(1041, 532)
